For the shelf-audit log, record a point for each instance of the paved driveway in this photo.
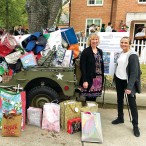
(113, 135)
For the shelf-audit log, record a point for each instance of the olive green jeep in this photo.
(44, 84)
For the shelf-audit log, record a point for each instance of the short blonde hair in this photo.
(91, 36)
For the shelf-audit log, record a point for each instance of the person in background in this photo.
(138, 37)
(20, 30)
(123, 28)
(97, 28)
(109, 27)
(92, 69)
(102, 28)
(92, 28)
(127, 81)
(140, 32)
(16, 30)
(113, 30)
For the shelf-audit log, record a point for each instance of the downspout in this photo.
(111, 10)
(69, 11)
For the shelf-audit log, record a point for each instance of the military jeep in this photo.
(44, 84)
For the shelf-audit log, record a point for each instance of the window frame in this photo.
(141, 2)
(94, 4)
(87, 29)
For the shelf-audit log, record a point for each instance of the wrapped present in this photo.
(75, 48)
(91, 127)
(69, 109)
(69, 36)
(28, 60)
(34, 116)
(51, 117)
(67, 61)
(11, 125)
(91, 106)
(47, 57)
(74, 125)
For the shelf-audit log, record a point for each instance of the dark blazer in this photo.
(134, 74)
(87, 66)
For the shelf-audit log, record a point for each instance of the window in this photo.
(142, 1)
(94, 2)
(89, 22)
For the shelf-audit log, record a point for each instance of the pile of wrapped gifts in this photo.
(70, 115)
(56, 48)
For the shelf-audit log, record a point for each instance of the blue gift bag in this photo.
(69, 36)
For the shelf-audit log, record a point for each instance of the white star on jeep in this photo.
(59, 76)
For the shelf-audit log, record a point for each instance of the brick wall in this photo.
(80, 11)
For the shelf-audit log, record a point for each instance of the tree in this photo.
(12, 12)
(58, 20)
(42, 13)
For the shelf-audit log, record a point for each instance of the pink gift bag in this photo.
(34, 116)
(51, 117)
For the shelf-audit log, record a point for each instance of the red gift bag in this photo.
(7, 44)
(9, 41)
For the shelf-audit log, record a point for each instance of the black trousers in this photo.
(120, 87)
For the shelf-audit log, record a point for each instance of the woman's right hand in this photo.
(85, 85)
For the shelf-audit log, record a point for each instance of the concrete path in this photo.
(110, 98)
(113, 135)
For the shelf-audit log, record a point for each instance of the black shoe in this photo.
(136, 131)
(118, 121)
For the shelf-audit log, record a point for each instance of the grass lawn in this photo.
(143, 77)
(143, 80)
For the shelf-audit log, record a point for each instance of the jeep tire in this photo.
(40, 95)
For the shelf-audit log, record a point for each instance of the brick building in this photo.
(83, 13)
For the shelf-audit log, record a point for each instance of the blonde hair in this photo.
(91, 36)
(125, 37)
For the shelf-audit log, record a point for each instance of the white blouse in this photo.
(121, 67)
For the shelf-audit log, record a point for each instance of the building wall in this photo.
(80, 11)
(124, 7)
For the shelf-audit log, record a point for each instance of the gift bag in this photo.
(13, 103)
(11, 125)
(69, 109)
(13, 57)
(90, 107)
(53, 39)
(28, 60)
(34, 116)
(8, 41)
(69, 36)
(23, 100)
(91, 127)
(74, 125)
(51, 117)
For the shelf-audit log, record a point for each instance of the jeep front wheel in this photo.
(40, 95)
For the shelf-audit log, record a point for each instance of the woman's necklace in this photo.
(95, 50)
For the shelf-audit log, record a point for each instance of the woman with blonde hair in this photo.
(92, 69)
(127, 81)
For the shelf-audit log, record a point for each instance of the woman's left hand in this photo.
(128, 91)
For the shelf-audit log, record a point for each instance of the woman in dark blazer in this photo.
(92, 69)
(127, 80)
